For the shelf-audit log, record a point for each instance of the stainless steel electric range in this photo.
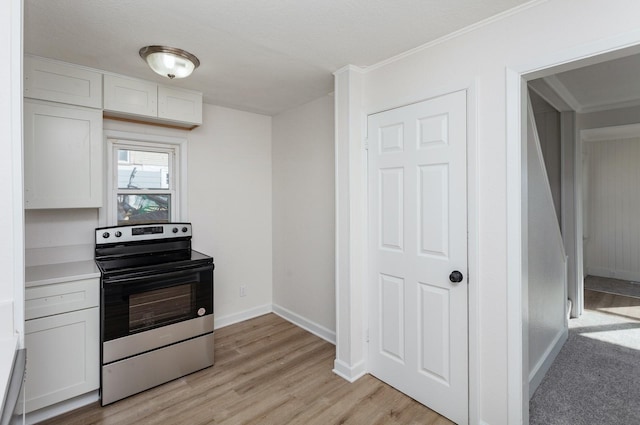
(156, 320)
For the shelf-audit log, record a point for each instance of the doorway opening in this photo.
(592, 178)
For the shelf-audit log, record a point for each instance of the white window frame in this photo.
(176, 146)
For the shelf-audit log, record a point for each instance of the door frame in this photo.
(472, 252)
(472, 240)
(351, 223)
(517, 76)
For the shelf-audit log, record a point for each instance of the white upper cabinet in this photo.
(146, 101)
(62, 156)
(60, 82)
(117, 95)
(179, 105)
(129, 96)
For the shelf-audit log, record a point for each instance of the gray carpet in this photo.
(612, 286)
(596, 376)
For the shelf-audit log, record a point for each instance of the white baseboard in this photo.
(615, 274)
(542, 367)
(350, 373)
(62, 407)
(221, 322)
(318, 330)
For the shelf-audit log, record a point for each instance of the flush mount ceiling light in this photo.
(169, 62)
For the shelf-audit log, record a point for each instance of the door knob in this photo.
(455, 276)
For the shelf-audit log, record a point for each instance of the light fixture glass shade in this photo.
(169, 62)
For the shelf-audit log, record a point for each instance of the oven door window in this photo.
(159, 306)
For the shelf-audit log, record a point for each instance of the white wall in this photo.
(612, 244)
(46, 231)
(487, 60)
(547, 286)
(304, 214)
(11, 214)
(230, 200)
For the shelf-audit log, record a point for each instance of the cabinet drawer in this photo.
(62, 83)
(46, 300)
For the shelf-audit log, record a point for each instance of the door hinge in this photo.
(365, 144)
(366, 336)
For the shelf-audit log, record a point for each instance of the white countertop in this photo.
(60, 272)
(8, 347)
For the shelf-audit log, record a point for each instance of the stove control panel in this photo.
(142, 232)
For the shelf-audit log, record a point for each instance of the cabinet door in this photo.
(62, 156)
(62, 357)
(179, 105)
(128, 96)
(62, 83)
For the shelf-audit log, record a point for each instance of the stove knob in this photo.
(105, 235)
(184, 230)
(118, 234)
(175, 230)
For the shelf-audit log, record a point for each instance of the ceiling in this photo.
(606, 85)
(256, 55)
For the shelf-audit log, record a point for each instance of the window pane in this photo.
(123, 155)
(144, 208)
(143, 169)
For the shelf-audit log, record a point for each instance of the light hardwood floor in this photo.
(612, 304)
(266, 371)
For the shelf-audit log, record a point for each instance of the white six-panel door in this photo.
(418, 237)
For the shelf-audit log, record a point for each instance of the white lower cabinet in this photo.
(63, 352)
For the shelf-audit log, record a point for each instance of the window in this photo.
(143, 179)
(123, 155)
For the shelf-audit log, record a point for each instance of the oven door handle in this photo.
(167, 275)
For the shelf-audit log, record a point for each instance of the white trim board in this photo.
(545, 91)
(288, 315)
(62, 407)
(561, 91)
(221, 322)
(600, 134)
(181, 158)
(316, 329)
(517, 242)
(349, 373)
(542, 367)
(488, 21)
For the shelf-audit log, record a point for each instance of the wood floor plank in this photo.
(612, 304)
(266, 371)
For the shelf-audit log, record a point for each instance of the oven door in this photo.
(131, 305)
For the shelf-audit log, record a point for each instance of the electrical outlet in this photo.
(243, 291)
